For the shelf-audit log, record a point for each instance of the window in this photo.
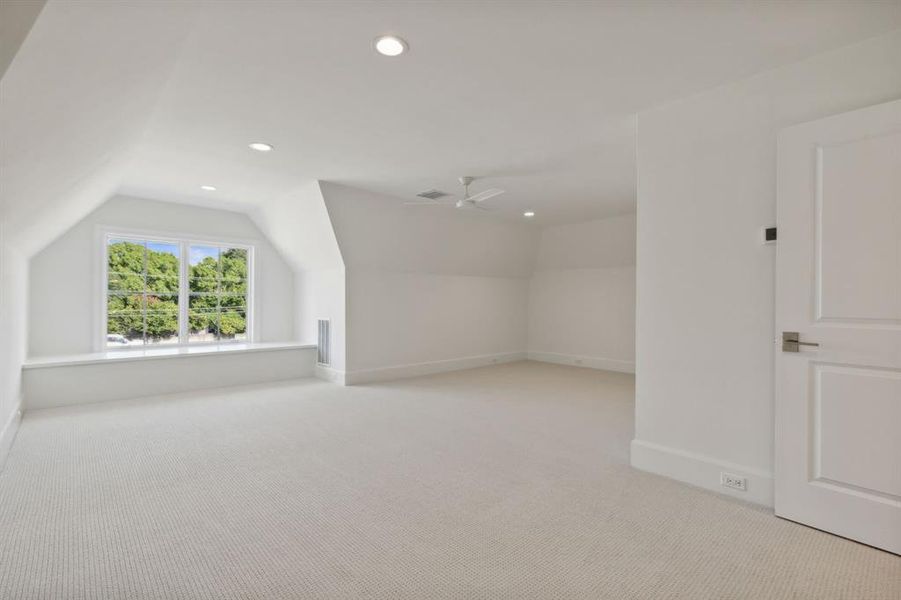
(165, 291)
(217, 303)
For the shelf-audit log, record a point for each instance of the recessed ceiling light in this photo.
(389, 45)
(528, 213)
(261, 146)
(208, 188)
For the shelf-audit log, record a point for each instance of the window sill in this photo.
(158, 353)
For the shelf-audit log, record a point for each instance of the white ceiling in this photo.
(537, 97)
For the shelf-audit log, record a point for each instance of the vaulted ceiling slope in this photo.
(157, 98)
(73, 106)
(375, 232)
(299, 225)
(16, 19)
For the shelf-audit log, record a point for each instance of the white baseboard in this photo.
(591, 362)
(702, 471)
(8, 434)
(330, 374)
(428, 368)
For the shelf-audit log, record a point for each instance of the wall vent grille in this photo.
(324, 343)
(432, 194)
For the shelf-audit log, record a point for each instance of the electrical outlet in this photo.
(733, 481)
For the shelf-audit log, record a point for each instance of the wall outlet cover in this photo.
(735, 482)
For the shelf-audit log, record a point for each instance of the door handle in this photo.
(791, 341)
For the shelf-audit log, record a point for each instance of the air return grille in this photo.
(432, 194)
(324, 341)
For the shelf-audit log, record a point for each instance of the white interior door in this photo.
(838, 284)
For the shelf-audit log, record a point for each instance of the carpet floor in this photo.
(503, 482)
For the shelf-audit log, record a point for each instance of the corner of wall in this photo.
(300, 227)
(702, 471)
(331, 375)
(8, 433)
(702, 268)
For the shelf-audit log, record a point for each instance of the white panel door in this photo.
(838, 284)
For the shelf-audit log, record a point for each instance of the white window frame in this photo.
(184, 241)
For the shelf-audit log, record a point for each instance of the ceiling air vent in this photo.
(432, 194)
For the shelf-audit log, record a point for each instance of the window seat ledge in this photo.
(44, 362)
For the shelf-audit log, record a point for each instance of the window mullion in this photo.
(104, 269)
(183, 294)
(144, 298)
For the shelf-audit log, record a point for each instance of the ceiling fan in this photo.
(467, 201)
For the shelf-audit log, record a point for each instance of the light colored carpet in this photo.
(504, 482)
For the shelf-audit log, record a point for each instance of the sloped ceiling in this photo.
(155, 99)
(375, 232)
(16, 19)
(300, 226)
(74, 103)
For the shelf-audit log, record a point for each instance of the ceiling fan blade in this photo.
(482, 196)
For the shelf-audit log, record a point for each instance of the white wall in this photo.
(13, 338)
(582, 295)
(429, 288)
(321, 295)
(299, 226)
(63, 281)
(706, 185)
(398, 319)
